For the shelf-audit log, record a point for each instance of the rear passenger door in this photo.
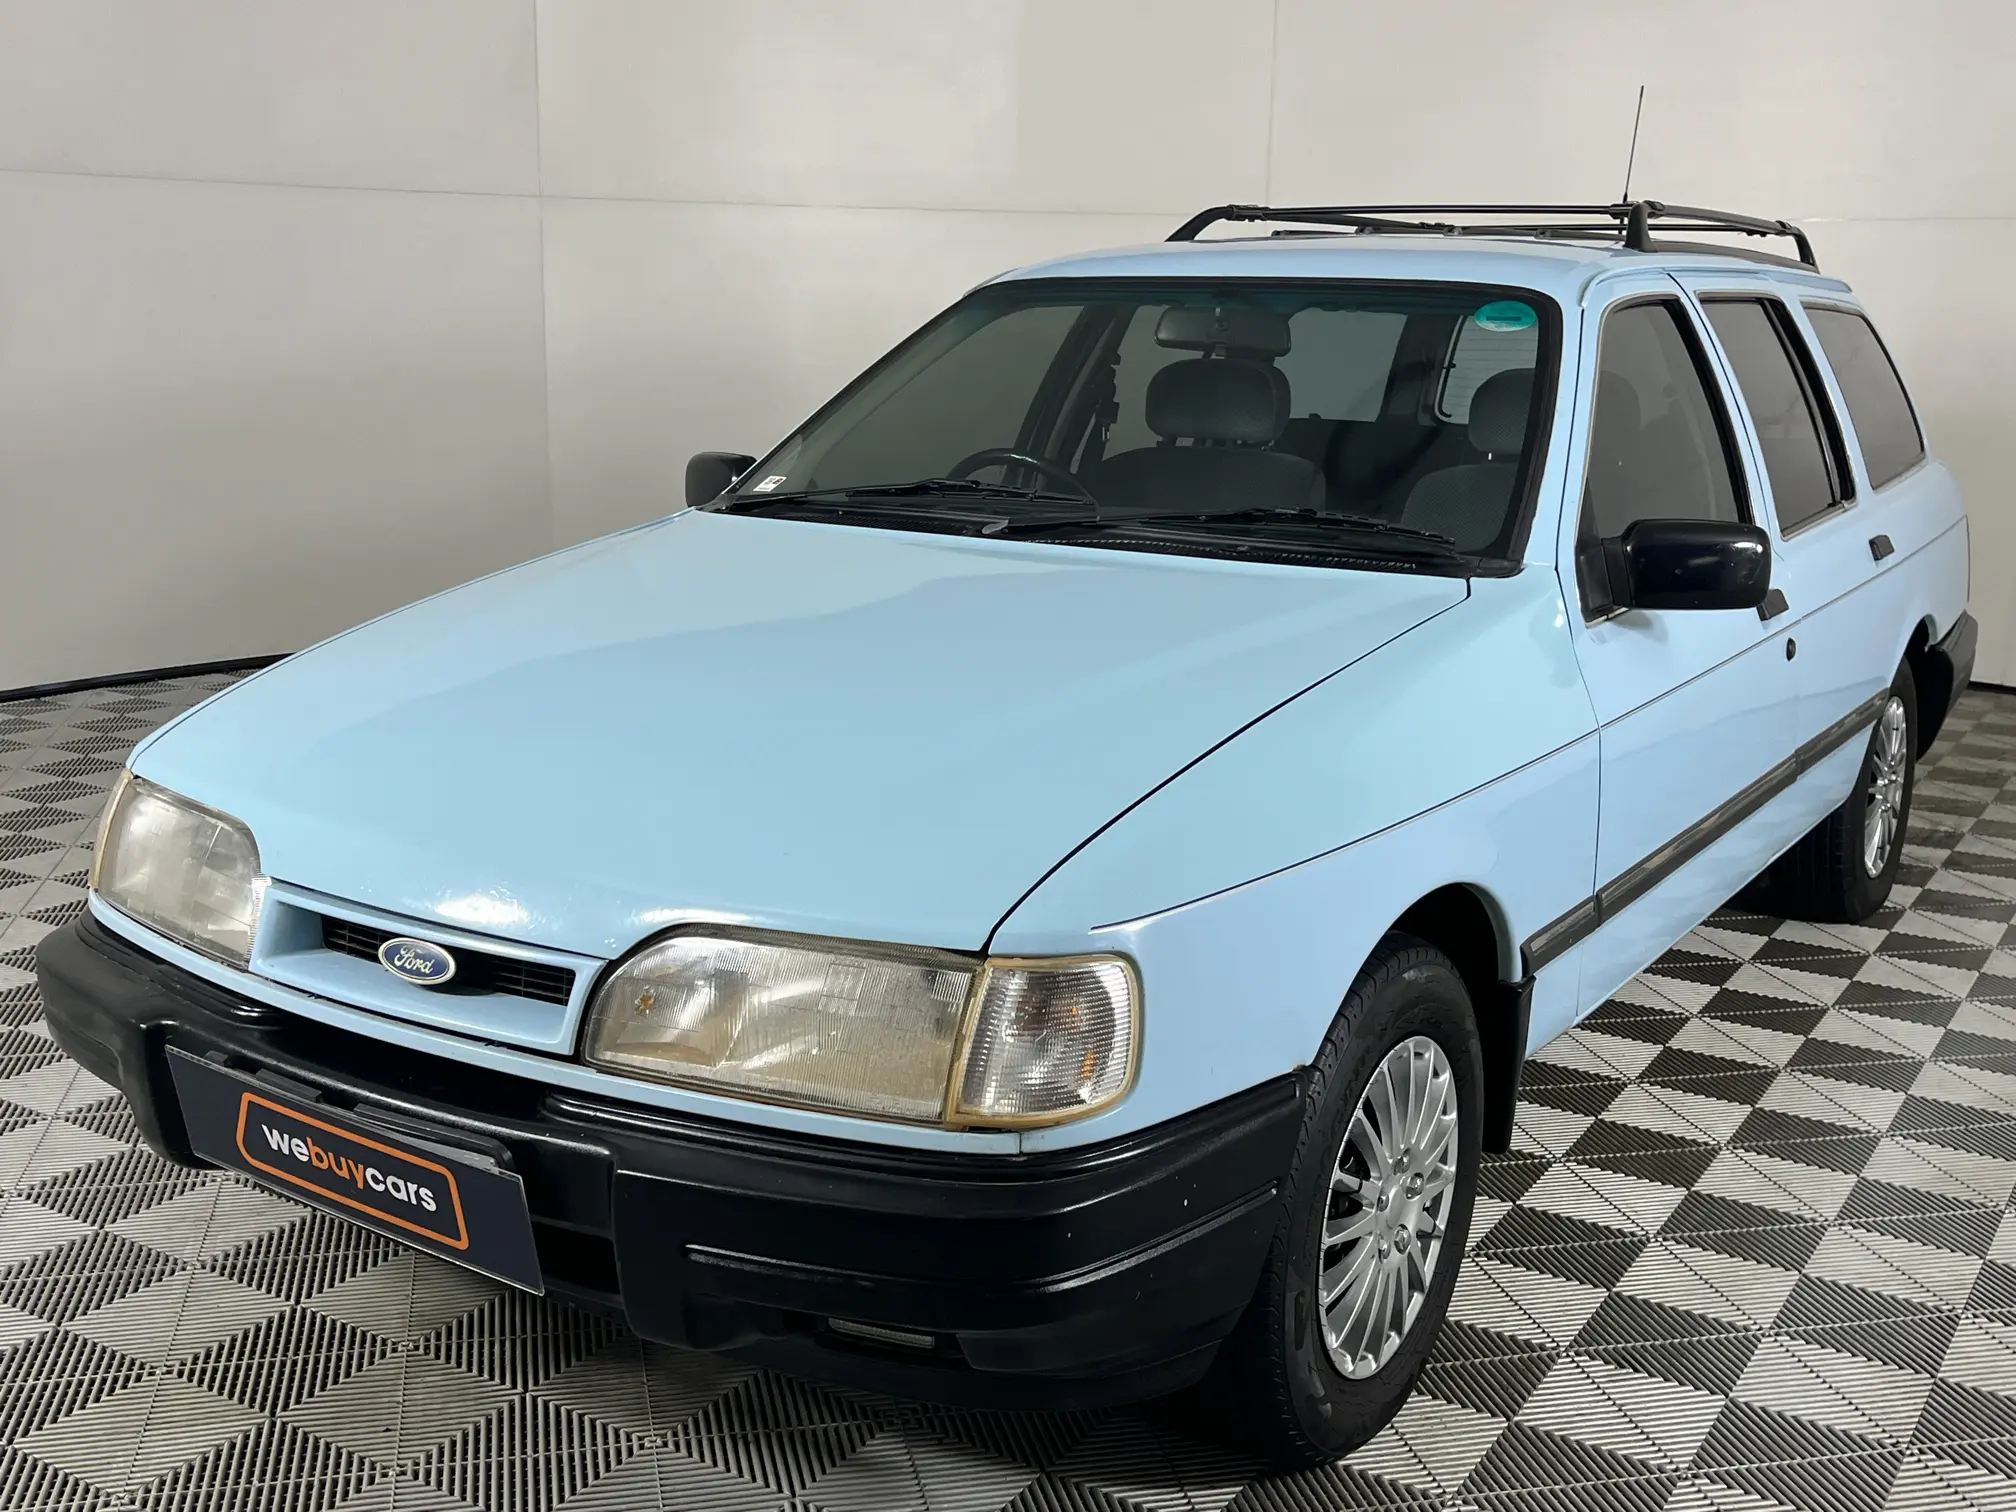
(1846, 611)
(1694, 706)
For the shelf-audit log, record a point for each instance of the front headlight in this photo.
(181, 868)
(918, 1035)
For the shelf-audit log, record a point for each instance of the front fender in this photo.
(1251, 888)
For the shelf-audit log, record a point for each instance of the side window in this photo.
(1772, 375)
(1877, 404)
(1659, 444)
(1476, 353)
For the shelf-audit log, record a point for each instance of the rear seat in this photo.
(1371, 466)
(1308, 438)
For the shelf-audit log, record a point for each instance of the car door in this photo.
(1844, 615)
(1695, 707)
(1864, 571)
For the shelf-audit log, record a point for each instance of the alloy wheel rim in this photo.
(1888, 763)
(1391, 1190)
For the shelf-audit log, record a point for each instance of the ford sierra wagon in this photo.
(1038, 891)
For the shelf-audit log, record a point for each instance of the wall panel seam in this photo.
(1174, 213)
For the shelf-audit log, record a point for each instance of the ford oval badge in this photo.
(416, 961)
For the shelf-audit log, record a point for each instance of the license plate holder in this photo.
(463, 1206)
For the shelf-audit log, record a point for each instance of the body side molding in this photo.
(1555, 938)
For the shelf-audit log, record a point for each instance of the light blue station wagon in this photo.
(1039, 890)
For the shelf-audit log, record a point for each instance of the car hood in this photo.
(841, 731)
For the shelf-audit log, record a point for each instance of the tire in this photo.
(1825, 878)
(1276, 1387)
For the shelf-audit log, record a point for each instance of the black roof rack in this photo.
(1628, 222)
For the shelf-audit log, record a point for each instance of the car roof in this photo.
(1562, 269)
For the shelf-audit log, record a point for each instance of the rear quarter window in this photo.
(1886, 428)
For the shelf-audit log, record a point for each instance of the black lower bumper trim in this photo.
(1063, 1278)
(1957, 646)
(1952, 658)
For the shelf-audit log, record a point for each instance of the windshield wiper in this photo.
(925, 487)
(1392, 527)
(819, 506)
(883, 501)
(1323, 526)
(919, 488)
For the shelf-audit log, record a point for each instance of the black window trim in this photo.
(1819, 403)
(1718, 401)
(1841, 307)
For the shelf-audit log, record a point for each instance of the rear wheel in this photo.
(1377, 1207)
(1842, 870)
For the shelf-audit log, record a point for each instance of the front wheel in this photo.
(1841, 871)
(1376, 1209)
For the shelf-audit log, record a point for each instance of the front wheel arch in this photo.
(1464, 924)
(1275, 1387)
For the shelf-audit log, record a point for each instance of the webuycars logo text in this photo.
(349, 1167)
(343, 1168)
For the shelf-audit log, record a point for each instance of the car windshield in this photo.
(1340, 420)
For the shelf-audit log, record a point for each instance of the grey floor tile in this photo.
(1754, 1249)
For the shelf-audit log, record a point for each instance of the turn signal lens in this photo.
(1051, 1040)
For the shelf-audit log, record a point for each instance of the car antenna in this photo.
(1631, 161)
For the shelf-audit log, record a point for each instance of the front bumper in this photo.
(1060, 1279)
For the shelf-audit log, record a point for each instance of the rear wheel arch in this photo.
(1932, 675)
(1466, 925)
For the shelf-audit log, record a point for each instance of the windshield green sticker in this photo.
(1505, 315)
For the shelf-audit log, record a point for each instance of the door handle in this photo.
(1774, 605)
(1880, 547)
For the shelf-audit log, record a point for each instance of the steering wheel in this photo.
(1007, 456)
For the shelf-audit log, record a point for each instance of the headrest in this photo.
(1498, 412)
(1218, 399)
(1235, 330)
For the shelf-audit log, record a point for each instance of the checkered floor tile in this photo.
(1755, 1250)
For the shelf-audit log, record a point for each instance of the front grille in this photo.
(475, 970)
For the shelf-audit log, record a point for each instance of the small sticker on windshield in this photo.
(1505, 315)
(768, 483)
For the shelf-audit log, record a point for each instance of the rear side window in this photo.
(1771, 374)
(1659, 446)
(1877, 404)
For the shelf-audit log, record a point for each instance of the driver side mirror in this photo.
(1679, 564)
(708, 475)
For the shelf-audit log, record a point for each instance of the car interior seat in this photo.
(1469, 503)
(1230, 405)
